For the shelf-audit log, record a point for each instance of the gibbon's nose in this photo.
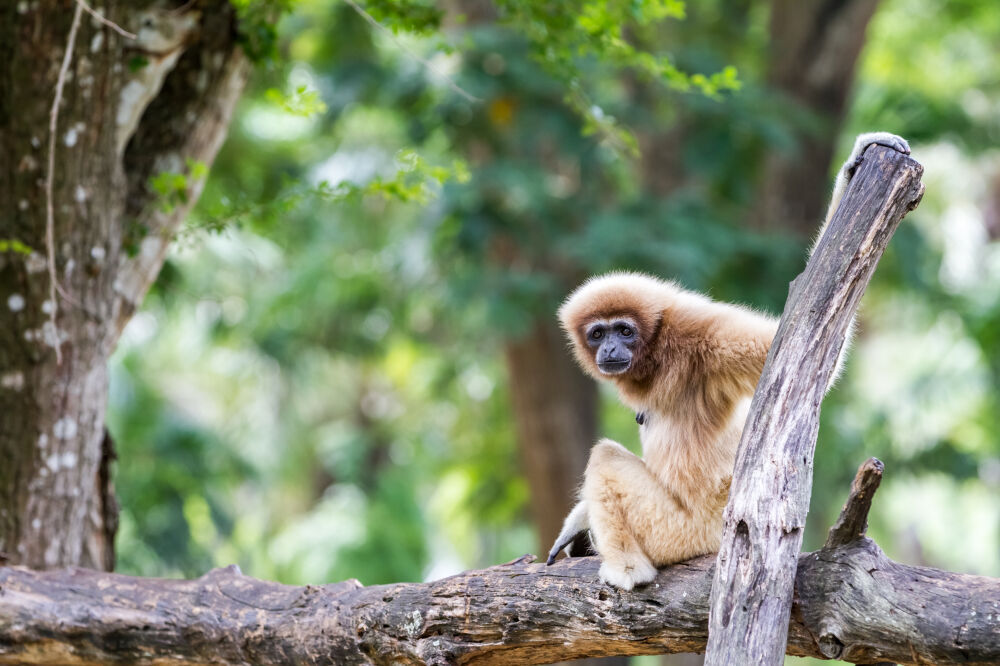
(612, 353)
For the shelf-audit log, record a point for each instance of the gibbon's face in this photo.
(613, 343)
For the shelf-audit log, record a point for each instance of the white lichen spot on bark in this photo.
(27, 163)
(36, 524)
(414, 623)
(52, 553)
(43, 441)
(13, 380)
(51, 335)
(97, 253)
(97, 41)
(80, 194)
(47, 306)
(71, 136)
(68, 270)
(36, 142)
(22, 204)
(34, 263)
(65, 428)
(15, 302)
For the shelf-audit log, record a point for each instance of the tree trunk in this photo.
(555, 411)
(131, 108)
(814, 52)
(772, 479)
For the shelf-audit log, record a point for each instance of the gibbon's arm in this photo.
(844, 176)
(743, 337)
(740, 340)
(846, 172)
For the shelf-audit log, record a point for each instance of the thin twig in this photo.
(50, 243)
(111, 24)
(423, 61)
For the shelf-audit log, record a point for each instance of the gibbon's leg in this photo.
(629, 508)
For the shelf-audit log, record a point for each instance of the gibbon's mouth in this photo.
(614, 367)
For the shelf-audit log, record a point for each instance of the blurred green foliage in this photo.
(315, 388)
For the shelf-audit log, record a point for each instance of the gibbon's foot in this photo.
(629, 571)
(886, 139)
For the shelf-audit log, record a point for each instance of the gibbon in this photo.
(688, 366)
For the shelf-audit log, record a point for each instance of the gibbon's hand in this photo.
(886, 139)
(574, 527)
(564, 542)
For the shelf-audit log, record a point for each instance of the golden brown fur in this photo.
(695, 364)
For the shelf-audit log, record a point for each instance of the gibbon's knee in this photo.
(613, 477)
(607, 451)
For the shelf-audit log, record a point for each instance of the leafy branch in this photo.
(415, 181)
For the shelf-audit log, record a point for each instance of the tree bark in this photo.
(772, 479)
(131, 109)
(555, 411)
(815, 46)
(852, 603)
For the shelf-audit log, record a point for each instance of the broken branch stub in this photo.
(853, 521)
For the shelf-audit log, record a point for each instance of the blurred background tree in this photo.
(350, 366)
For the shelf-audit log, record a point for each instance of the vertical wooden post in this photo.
(764, 519)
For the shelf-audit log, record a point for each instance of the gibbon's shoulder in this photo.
(626, 293)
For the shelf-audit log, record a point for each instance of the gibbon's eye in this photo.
(596, 334)
(627, 331)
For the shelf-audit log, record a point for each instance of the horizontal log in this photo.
(852, 603)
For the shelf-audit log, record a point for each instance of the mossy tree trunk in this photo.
(131, 108)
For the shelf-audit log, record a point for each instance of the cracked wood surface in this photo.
(772, 479)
